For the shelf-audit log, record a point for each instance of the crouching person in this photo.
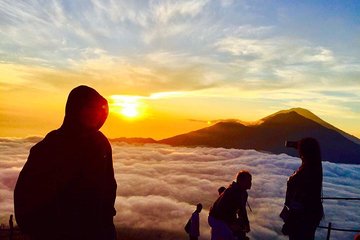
(228, 215)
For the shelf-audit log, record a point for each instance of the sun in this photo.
(130, 110)
(126, 106)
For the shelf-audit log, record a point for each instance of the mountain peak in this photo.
(309, 115)
(271, 134)
(301, 111)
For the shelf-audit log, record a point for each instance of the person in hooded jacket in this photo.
(228, 215)
(66, 189)
(303, 208)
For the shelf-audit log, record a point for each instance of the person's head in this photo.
(85, 109)
(309, 150)
(199, 207)
(244, 178)
(221, 189)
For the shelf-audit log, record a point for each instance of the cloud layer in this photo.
(159, 186)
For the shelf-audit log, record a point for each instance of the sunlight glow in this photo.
(127, 106)
(130, 110)
(132, 107)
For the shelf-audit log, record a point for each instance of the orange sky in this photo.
(37, 111)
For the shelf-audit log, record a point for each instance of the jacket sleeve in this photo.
(101, 176)
(110, 184)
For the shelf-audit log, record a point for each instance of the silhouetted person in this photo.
(221, 190)
(228, 214)
(66, 189)
(11, 227)
(303, 207)
(194, 232)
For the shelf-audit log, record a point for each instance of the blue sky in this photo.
(234, 56)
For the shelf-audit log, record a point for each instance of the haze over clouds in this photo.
(159, 186)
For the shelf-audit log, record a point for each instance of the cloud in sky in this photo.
(159, 186)
(104, 35)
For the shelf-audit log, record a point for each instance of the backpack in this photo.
(187, 226)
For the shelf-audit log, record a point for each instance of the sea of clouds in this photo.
(159, 186)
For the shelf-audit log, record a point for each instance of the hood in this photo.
(86, 110)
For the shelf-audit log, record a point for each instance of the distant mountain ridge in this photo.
(134, 140)
(270, 134)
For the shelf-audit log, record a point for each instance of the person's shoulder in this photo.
(101, 135)
(231, 187)
(44, 146)
(195, 214)
(49, 137)
(238, 192)
(295, 174)
(52, 135)
(230, 191)
(100, 139)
